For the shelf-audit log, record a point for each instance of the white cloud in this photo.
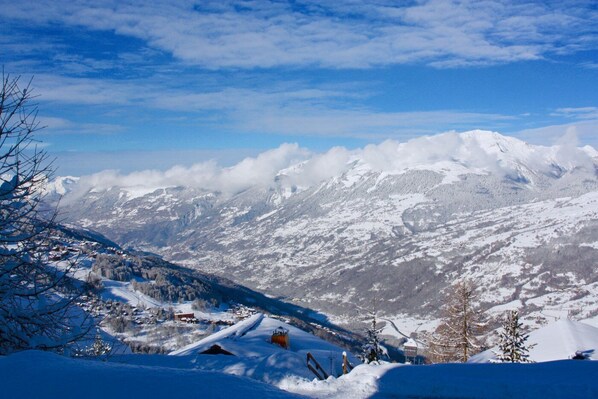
(286, 109)
(250, 172)
(86, 91)
(586, 131)
(238, 34)
(477, 150)
(580, 124)
(578, 112)
(50, 125)
(319, 167)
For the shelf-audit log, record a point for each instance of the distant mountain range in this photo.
(389, 226)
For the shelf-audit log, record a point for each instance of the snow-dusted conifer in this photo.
(372, 351)
(99, 347)
(512, 346)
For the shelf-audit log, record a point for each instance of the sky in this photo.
(132, 85)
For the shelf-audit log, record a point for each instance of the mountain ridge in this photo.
(338, 230)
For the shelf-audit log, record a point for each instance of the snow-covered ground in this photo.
(123, 292)
(563, 379)
(555, 341)
(253, 354)
(35, 375)
(257, 368)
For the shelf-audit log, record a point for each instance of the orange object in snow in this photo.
(280, 337)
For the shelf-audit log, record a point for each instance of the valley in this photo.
(521, 221)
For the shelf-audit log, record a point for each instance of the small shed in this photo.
(280, 337)
(216, 350)
(410, 348)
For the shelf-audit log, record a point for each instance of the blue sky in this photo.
(134, 84)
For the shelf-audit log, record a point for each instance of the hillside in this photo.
(133, 296)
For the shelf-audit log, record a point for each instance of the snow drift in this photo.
(255, 356)
(36, 375)
(556, 341)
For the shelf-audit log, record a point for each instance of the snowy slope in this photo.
(255, 356)
(564, 379)
(555, 341)
(133, 296)
(37, 375)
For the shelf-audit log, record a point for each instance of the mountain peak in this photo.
(294, 169)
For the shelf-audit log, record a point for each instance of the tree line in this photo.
(459, 334)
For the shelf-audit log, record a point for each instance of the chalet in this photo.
(186, 317)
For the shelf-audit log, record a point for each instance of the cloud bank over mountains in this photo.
(448, 153)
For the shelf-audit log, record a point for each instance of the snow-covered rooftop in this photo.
(255, 356)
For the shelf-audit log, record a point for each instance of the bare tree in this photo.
(457, 336)
(35, 299)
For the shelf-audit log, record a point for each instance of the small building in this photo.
(410, 348)
(216, 350)
(185, 317)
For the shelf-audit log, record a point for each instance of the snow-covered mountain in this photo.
(387, 226)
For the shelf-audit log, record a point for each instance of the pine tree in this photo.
(512, 346)
(99, 347)
(456, 338)
(372, 351)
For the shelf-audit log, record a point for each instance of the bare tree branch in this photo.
(36, 303)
